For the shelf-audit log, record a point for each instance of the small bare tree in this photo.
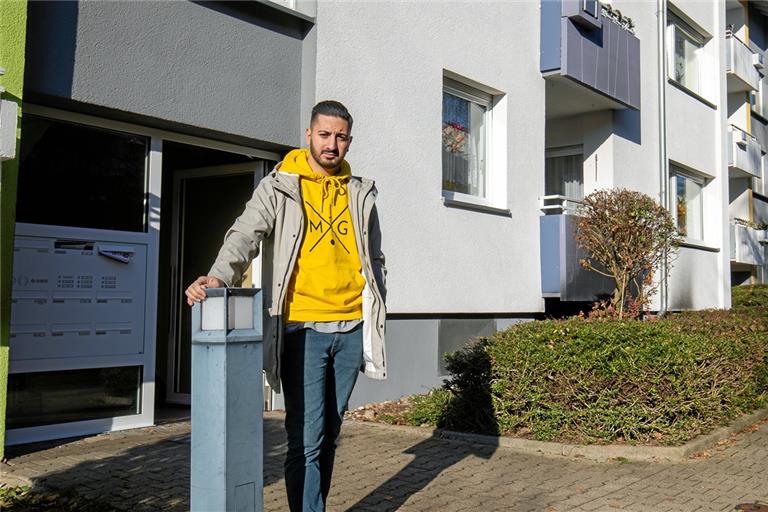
(627, 236)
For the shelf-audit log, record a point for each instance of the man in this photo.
(324, 292)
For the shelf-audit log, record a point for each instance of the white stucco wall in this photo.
(691, 280)
(738, 110)
(739, 197)
(385, 61)
(636, 139)
(691, 132)
(447, 260)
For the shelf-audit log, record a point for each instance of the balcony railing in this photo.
(741, 65)
(591, 45)
(562, 276)
(747, 245)
(745, 154)
(557, 204)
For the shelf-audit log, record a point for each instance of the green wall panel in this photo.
(13, 26)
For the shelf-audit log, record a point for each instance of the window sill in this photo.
(698, 244)
(691, 93)
(468, 204)
(288, 10)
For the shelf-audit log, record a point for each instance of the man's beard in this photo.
(323, 161)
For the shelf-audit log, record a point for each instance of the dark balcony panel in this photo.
(561, 273)
(604, 56)
(550, 36)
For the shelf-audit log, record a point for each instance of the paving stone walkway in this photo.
(385, 469)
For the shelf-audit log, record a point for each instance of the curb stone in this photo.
(13, 480)
(598, 453)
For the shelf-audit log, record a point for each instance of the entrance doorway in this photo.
(205, 203)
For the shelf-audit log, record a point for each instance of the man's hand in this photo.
(196, 291)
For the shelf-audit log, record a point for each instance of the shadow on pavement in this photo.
(152, 476)
(471, 410)
(431, 457)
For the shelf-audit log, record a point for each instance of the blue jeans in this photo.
(319, 371)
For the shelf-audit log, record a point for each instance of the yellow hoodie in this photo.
(327, 281)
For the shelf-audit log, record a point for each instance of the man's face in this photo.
(329, 139)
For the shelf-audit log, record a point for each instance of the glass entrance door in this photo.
(206, 203)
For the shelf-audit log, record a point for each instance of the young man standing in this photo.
(324, 292)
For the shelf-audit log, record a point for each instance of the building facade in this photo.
(147, 125)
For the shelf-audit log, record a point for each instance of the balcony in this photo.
(745, 154)
(747, 245)
(589, 56)
(562, 276)
(741, 65)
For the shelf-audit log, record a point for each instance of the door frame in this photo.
(259, 169)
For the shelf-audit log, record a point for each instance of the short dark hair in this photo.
(331, 108)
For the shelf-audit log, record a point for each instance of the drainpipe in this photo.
(661, 16)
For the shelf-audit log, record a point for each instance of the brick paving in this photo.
(384, 469)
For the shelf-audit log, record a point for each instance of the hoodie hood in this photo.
(332, 187)
(295, 162)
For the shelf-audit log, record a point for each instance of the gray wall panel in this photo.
(412, 363)
(216, 67)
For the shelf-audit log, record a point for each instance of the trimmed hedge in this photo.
(752, 296)
(586, 381)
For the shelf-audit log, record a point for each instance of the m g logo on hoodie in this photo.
(327, 281)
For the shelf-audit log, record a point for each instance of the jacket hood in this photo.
(295, 162)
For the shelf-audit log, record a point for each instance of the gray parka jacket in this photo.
(274, 216)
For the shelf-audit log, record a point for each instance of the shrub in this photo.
(588, 381)
(428, 409)
(750, 296)
(628, 236)
(25, 499)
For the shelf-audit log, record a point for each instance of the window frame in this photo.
(486, 100)
(676, 23)
(676, 171)
(591, 7)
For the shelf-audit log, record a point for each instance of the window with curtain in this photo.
(686, 193)
(564, 172)
(466, 129)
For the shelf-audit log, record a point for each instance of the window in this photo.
(564, 172)
(75, 175)
(686, 54)
(687, 204)
(466, 139)
(590, 7)
(46, 398)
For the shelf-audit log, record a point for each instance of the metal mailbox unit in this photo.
(227, 401)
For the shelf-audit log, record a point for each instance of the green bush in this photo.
(586, 381)
(25, 499)
(750, 296)
(428, 409)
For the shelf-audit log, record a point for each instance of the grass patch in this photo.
(23, 499)
(657, 382)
